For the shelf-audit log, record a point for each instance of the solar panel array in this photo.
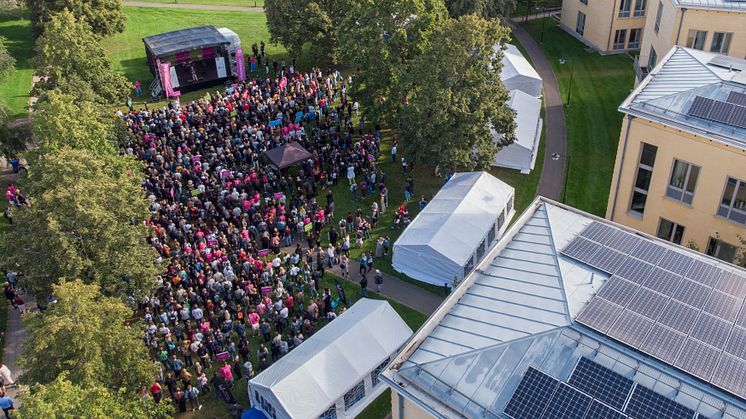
(730, 113)
(668, 304)
(737, 98)
(593, 391)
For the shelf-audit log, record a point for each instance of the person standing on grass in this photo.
(192, 396)
(363, 285)
(156, 391)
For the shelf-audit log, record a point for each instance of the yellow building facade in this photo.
(608, 26)
(680, 172)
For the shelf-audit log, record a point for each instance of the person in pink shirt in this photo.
(225, 371)
(254, 322)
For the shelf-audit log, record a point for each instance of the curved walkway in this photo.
(553, 171)
(193, 6)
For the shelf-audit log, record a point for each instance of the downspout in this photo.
(611, 25)
(621, 165)
(401, 405)
(681, 21)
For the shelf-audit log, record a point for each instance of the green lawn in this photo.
(599, 84)
(15, 90)
(249, 3)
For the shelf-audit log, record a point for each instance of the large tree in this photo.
(380, 40)
(455, 94)
(86, 220)
(7, 62)
(293, 23)
(63, 399)
(86, 336)
(71, 59)
(483, 8)
(106, 17)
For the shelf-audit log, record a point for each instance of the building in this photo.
(717, 26)
(456, 229)
(572, 315)
(334, 373)
(608, 26)
(681, 161)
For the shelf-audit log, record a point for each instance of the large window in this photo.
(642, 179)
(733, 204)
(580, 25)
(696, 39)
(354, 395)
(653, 60)
(492, 233)
(683, 181)
(721, 42)
(721, 249)
(624, 6)
(634, 38)
(331, 413)
(468, 266)
(658, 16)
(620, 37)
(481, 249)
(668, 230)
(584, 1)
(639, 8)
(376, 372)
(500, 220)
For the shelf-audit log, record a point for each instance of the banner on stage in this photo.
(220, 66)
(240, 65)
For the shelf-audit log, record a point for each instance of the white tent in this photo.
(334, 373)
(232, 37)
(521, 154)
(517, 72)
(456, 229)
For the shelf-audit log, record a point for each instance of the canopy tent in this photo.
(170, 43)
(335, 371)
(232, 37)
(287, 155)
(456, 229)
(521, 154)
(517, 72)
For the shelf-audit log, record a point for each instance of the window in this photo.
(584, 2)
(733, 204)
(696, 39)
(639, 8)
(653, 60)
(510, 206)
(376, 372)
(331, 413)
(481, 249)
(683, 181)
(580, 26)
(642, 180)
(624, 7)
(492, 233)
(668, 230)
(500, 220)
(721, 42)
(721, 249)
(619, 38)
(658, 16)
(354, 395)
(469, 266)
(634, 38)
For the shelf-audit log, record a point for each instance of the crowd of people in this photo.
(241, 241)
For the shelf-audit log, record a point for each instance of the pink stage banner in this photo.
(166, 78)
(240, 64)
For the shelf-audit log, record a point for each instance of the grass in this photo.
(18, 39)
(599, 84)
(248, 3)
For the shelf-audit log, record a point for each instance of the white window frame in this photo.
(635, 188)
(617, 44)
(729, 212)
(658, 17)
(672, 235)
(724, 44)
(580, 29)
(696, 39)
(639, 8)
(719, 247)
(681, 194)
(632, 43)
(624, 8)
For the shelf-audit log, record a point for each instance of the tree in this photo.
(7, 62)
(487, 9)
(380, 40)
(455, 94)
(293, 23)
(70, 59)
(86, 220)
(85, 338)
(15, 135)
(106, 17)
(63, 399)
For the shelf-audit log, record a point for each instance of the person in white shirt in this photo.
(6, 375)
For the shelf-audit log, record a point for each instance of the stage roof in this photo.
(184, 39)
(287, 155)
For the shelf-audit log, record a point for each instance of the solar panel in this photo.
(675, 262)
(635, 270)
(663, 343)
(610, 235)
(618, 290)
(737, 98)
(662, 281)
(692, 293)
(598, 410)
(731, 375)
(649, 251)
(732, 284)
(711, 330)
(703, 273)
(599, 314)
(648, 303)
(631, 328)
(581, 249)
(532, 395)
(607, 260)
(597, 231)
(567, 403)
(737, 342)
(698, 359)
(723, 305)
(679, 316)
(738, 116)
(624, 242)
(647, 404)
(720, 111)
(701, 107)
(601, 383)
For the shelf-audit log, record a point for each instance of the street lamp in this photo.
(572, 73)
(543, 20)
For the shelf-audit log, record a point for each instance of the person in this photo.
(156, 391)
(423, 202)
(138, 88)
(6, 403)
(192, 396)
(180, 399)
(363, 286)
(393, 153)
(379, 280)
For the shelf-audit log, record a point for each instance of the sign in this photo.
(174, 78)
(275, 123)
(240, 64)
(195, 192)
(263, 253)
(266, 290)
(224, 173)
(196, 159)
(222, 356)
(212, 242)
(308, 227)
(279, 195)
(220, 66)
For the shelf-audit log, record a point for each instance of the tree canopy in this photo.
(71, 59)
(454, 94)
(484, 8)
(380, 40)
(63, 399)
(106, 17)
(84, 337)
(86, 220)
(7, 62)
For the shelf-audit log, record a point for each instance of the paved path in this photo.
(193, 6)
(15, 334)
(553, 172)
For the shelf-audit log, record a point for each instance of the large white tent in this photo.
(521, 154)
(456, 229)
(517, 72)
(334, 373)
